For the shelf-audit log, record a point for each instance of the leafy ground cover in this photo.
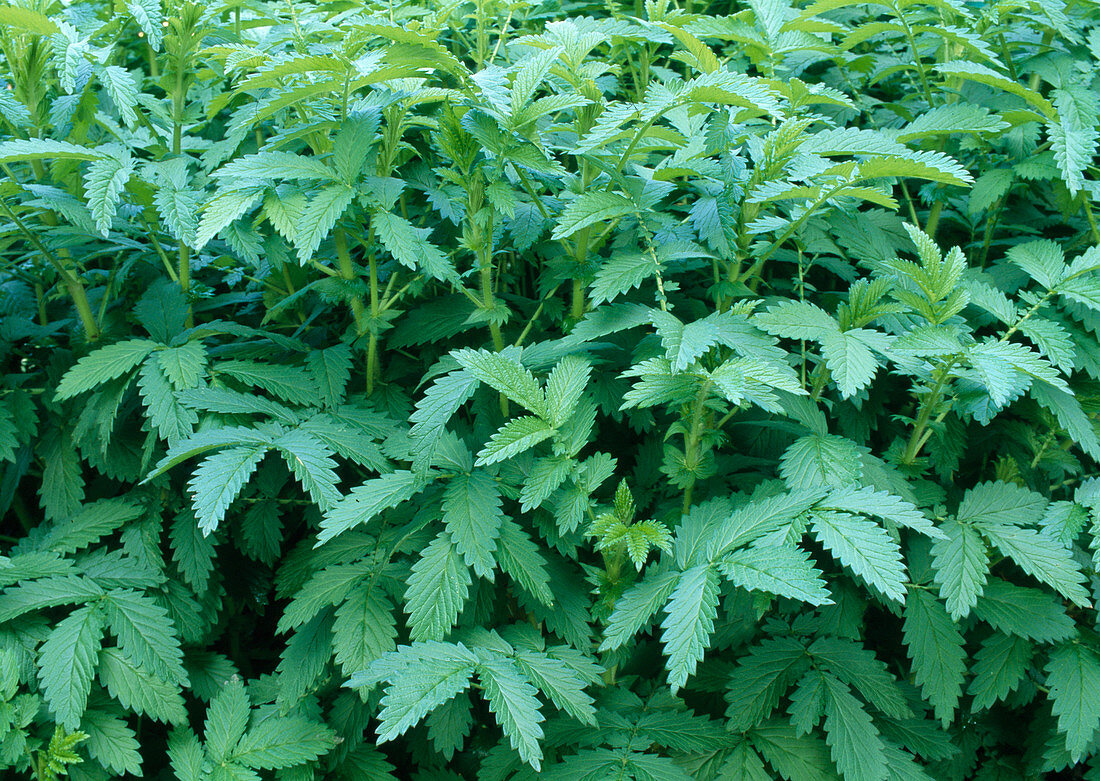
(514, 390)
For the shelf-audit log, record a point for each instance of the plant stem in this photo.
(347, 272)
(920, 434)
(692, 453)
(63, 265)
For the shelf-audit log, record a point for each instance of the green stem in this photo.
(692, 438)
(179, 104)
(933, 219)
(919, 436)
(72, 281)
(1091, 218)
(347, 272)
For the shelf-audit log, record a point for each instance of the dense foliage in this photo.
(509, 389)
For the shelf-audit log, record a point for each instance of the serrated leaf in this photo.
(522, 561)
(999, 666)
(590, 208)
(472, 514)
(514, 704)
(138, 690)
(1073, 675)
(146, 634)
(865, 548)
(410, 247)
(66, 664)
(438, 587)
(219, 479)
(226, 720)
(366, 501)
(443, 670)
(689, 622)
(102, 365)
(856, 746)
(1024, 612)
(935, 645)
(961, 563)
(331, 370)
(365, 628)
(1043, 558)
(283, 741)
(514, 437)
(787, 572)
(111, 742)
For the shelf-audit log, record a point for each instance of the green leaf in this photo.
(283, 741)
(1024, 612)
(999, 666)
(184, 366)
(814, 461)
(146, 634)
(796, 757)
(410, 247)
(366, 501)
(112, 743)
(1042, 557)
(868, 501)
(266, 165)
(522, 561)
(973, 71)
(995, 504)
(226, 720)
(787, 572)
(223, 209)
(324, 588)
(560, 682)
(761, 678)
(856, 746)
(93, 522)
(935, 645)
(219, 479)
(637, 606)
(858, 667)
(289, 383)
(432, 413)
(139, 691)
(438, 588)
(689, 622)
(865, 548)
(17, 150)
(472, 514)
(186, 755)
(590, 208)
(48, 592)
(442, 670)
(365, 628)
(564, 387)
(961, 564)
(744, 764)
(319, 217)
(506, 375)
(622, 272)
(103, 185)
(513, 702)
(150, 18)
(331, 370)
(514, 437)
(102, 365)
(66, 664)
(172, 420)
(311, 462)
(1073, 675)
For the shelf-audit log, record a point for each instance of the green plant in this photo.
(507, 390)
